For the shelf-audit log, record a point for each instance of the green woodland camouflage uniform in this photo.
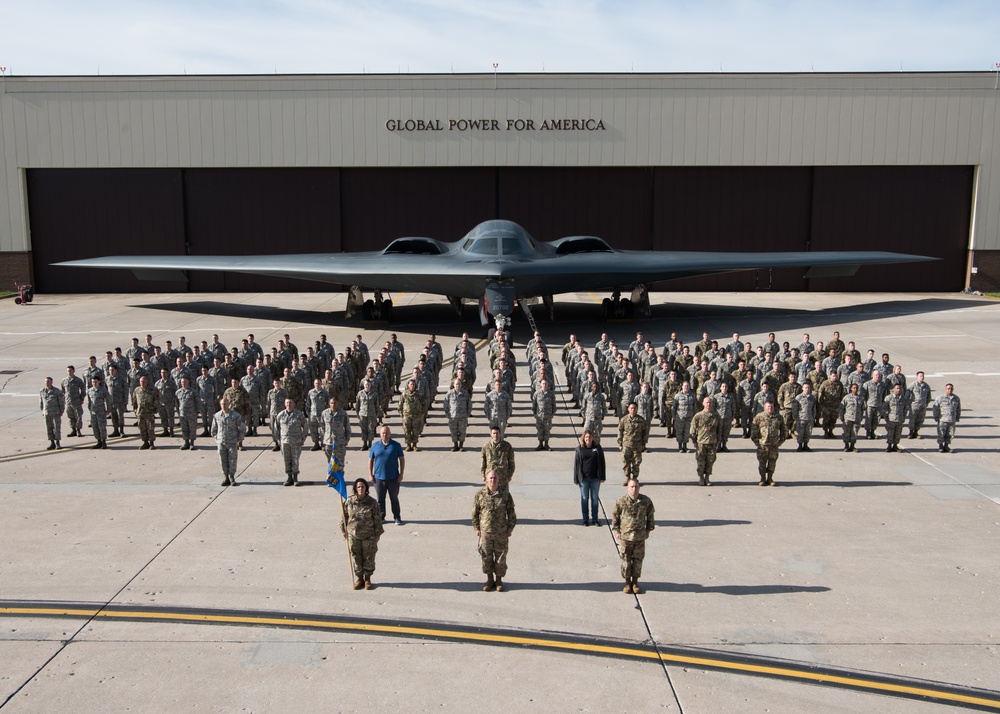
(706, 430)
(147, 406)
(499, 458)
(633, 432)
(768, 432)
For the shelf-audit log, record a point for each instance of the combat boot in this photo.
(51, 446)
(186, 446)
(547, 447)
(104, 444)
(289, 481)
(359, 584)
(72, 432)
(58, 445)
(316, 447)
(295, 479)
(145, 445)
(368, 582)
(114, 434)
(540, 446)
(628, 586)
(490, 583)
(499, 585)
(635, 587)
(225, 482)
(276, 447)
(152, 446)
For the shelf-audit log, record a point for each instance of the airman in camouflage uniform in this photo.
(874, 391)
(498, 455)
(147, 405)
(895, 410)
(947, 412)
(498, 407)
(592, 409)
(804, 415)
(684, 408)
(457, 405)
(633, 431)
(724, 405)
(361, 524)
(920, 397)
(767, 433)
(493, 519)
(852, 414)
(119, 391)
(336, 432)
(412, 409)
(293, 436)
(828, 397)
(99, 404)
(168, 402)
(75, 392)
(276, 397)
(706, 431)
(52, 403)
(367, 406)
(746, 394)
(787, 393)
(207, 386)
(228, 429)
(632, 520)
(543, 406)
(188, 401)
(252, 386)
(318, 401)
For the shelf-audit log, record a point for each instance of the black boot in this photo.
(51, 446)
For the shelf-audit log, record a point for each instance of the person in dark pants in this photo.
(588, 473)
(386, 464)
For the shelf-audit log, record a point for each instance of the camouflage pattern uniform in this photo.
(411, 410)
(207, 387)
(768, 433)
(498, 407)
(947, 412)
(367, 406)
(920, 397)
(318, 402)
(543, 406)
(829, 396)
(168, 403)
(852, 413)
(683, 409)
(499, 458)
(255, 392)
(633, 431)
(787, 393)
(336, 434)
(187, 411)
(874, 393)
(725, 406)
(457, 405)
(276, 404)
(75, 391)
(239, 401)
(706, 431)
(99, 405)
(293, 436)
(361, 522)
(895, 410)
(494, 518)
(228, 430)
(147, 406)
(633, 519)
(804, 414)
(592, 409)
(118, 389)
(52, 403)
(746, 394)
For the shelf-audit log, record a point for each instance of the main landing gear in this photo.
(617, 308)
(374, 309)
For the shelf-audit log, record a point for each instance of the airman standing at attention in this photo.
(787, 393)
(336, 432)
(829, 397)
(188, 401)
(168, 402)
(593, 408)
(498, 456)
(411, 410)
(633, 431)
(52, 403)
(895, 409)
(361, 525)
(293, 436)
(724, 405)
(75, 392)
(457, 405)
(318, 401)
(683, 410)
(207, 389)
(367, 406)
(228, 429)
(706, 430)
(874, 392)
(493, 519)
(147, 406)
(804, 414)
(632, 520)
(543, 406)
(498, 407)
(252, 386)
(118, 389)
(276, 397)
(239, 402)
(947, 412)
(920, 397)
(852, 413)
(768, 433)
(746, 395)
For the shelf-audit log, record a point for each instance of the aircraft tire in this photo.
(387, 309)
(628, 311)
(367, 309)
(606, 309)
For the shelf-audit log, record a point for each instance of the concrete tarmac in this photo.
(130, 580)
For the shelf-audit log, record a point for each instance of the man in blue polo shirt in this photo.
(385, 469)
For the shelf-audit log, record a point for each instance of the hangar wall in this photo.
(511, 122)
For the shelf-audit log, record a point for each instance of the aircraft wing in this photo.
(459, 275)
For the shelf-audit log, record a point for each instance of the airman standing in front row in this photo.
(768, 432)
(52, 403)
(706, 429)
(493, 518)
(632, 520)
(633, 431)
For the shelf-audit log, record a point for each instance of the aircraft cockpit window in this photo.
(484, 246)
(513, 246)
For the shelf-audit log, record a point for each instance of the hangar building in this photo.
(326, 163)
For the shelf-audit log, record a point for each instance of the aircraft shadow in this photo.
(702, 523)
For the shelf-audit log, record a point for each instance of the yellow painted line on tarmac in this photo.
(63, 450)
(595, 298)
(856, 682)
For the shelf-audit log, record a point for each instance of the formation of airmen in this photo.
(699, 396)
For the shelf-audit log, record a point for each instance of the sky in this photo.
(119, 37)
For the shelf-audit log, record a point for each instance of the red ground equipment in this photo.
(24, 293)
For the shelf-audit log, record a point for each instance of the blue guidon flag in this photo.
(335, 476)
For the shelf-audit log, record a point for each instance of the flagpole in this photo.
(333, 480)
